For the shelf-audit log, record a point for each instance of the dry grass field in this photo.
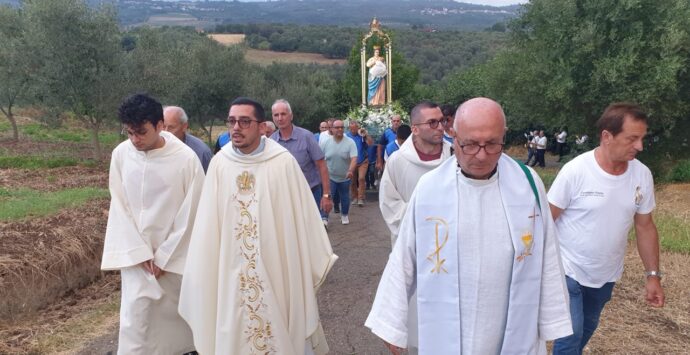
(175, 19)
(270, 57)
(262, 57)
(227, 39)
(54, 300)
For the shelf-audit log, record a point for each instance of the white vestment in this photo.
(154, 197)
(403, 170)
(399, 179)
(495, 310)
(258, 253)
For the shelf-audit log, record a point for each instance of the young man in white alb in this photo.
(155, 185)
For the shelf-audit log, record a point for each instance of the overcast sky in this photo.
(494, 2)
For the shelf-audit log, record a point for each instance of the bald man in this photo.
(176, 122)
(270, 128)
(477, 244)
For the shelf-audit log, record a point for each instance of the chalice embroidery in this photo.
(527, 241)
(245, 183)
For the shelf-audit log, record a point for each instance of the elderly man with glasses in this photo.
(477, 246)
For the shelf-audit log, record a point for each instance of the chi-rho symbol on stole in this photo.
(435, 256)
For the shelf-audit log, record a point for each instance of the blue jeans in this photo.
(586, 304)
(530, 155)
(342, 190)
(318, 193)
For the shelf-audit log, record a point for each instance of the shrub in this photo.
(680, 172)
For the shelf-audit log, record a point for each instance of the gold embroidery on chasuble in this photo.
(527, 239)
(257, 330)
(435, 256)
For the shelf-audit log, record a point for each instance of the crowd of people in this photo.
(224, 253)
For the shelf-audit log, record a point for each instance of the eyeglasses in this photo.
(489, 148)
(244, 122)
(433, 123)
(338, 127)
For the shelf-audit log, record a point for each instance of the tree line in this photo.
(437, 53)
(560, 63)
(66, 57)
(568, 59)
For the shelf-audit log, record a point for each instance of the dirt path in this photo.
(628, 326)
(89, 315)
(347, 295)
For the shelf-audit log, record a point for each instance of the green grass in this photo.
(35, 162)
(20, 203)
(39, 132)
(674, 233)
(547, 175)
(110, 138)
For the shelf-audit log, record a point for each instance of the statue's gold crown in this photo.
(377, 47)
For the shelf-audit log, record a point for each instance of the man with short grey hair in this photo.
(303, 146)
(177, 122)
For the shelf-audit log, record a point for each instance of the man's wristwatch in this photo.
(328, 196)
(653, 273)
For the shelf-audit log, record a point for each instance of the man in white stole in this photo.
(259, 250)
(155, 184)
(479, 250)
(423, 152)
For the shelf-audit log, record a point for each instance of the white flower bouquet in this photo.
(376, 119)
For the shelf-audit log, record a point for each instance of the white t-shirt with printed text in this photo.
(598, 212)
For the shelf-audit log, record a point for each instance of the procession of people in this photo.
(226, 256)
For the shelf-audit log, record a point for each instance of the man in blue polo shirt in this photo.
(404, 131)
(303, 146)
(223, 139)
(387, 137)
(362, 141)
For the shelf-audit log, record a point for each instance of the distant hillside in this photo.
(431, 14)
(442, 14)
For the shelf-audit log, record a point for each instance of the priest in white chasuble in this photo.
(155, 184)
(478, 245)
(258, 251)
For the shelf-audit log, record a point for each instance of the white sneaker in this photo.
(345, 219)
(354, 201)
(360, 203)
